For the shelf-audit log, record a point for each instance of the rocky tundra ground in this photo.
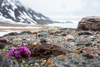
(55, 47)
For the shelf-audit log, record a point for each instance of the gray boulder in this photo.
(5, 62)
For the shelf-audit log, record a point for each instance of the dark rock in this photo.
(43, 41)
(30, 62)
(42, 31)
(87, 43)
(55, 32)
(73, 40)
(10, 38)
(84, 33)
(2, 45)
(12, 34)
(64, 34)
(64, 29)
(89, 23)
(26, 32)
(42, 35)
(5, 62)
(98, 41)
(67, 29)
(88, 56)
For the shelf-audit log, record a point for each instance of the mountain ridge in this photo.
(15, 11)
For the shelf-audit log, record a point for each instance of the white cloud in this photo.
(65, 9)
(54, 5)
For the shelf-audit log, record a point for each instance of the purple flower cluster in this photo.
(21, 51)
(4, 40)
(11, 53)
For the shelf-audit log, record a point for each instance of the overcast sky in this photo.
(65, 10)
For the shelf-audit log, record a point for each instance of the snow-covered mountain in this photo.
(13, 10)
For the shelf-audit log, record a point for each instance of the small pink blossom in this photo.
(48, 44)
(19, 45)
(25, 44)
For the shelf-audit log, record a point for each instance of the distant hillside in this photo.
(13, 10)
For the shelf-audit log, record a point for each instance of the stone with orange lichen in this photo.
(62, 60)
(51, 65)
(61, 56)
(76, 54)
(48, 61)
(69, 50)
(90, 51)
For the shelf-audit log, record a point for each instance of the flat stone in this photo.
(66, 63)
(43, 40)
(42, 35)
(5, 62)
(30, 62)
(87, 43)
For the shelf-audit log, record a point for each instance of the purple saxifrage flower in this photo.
(4, 40)
(26, 50)
(17, 54)
(11, 53)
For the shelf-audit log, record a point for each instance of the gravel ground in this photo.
(73, 57)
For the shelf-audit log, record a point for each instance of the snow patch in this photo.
(13, 5)
(43, 18)
(12, 14)
(37, 17)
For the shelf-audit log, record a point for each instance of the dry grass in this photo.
(13, 29)
(20, 25)
(21, 29)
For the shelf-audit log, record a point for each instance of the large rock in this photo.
(89, 23)
(71, 60)
(5, 62)
(90, 52)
